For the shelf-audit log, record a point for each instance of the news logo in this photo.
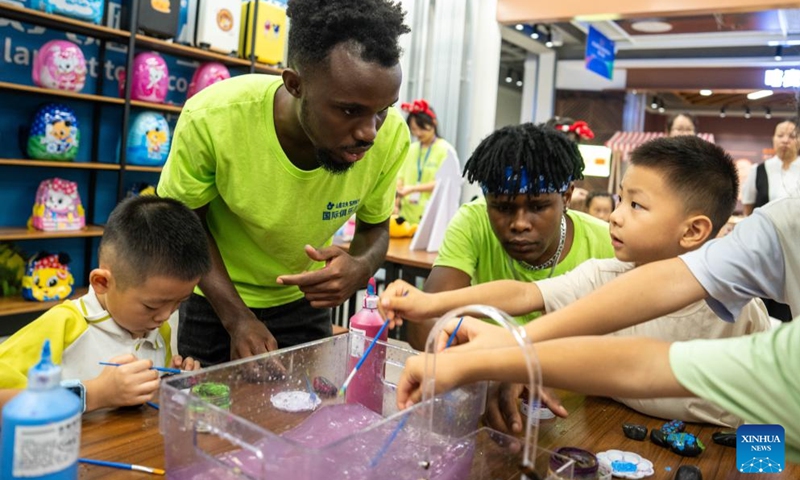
(760, 449)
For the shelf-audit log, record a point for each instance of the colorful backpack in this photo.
(87, 10)
(150, 78)
(60, 64)
(54, 133)
(206, 75)
(148, 140)
(12, 269)
(58, 206)
(47, 278)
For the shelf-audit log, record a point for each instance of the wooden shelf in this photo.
(53, 164)
(58, 22)
(139, 168)
(164, 107)
(16, 304)
(22, 233)
(200, 54)
(61, 93)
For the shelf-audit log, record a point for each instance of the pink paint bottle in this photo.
(366, 387)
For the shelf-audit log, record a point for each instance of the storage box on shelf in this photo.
(15, 310)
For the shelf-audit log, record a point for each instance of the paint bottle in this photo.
(366, 387)
(41, 429)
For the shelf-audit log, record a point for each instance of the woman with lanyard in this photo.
(417, 177)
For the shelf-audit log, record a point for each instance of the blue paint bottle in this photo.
(41, 432)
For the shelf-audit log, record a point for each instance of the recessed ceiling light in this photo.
(759, 94)
(520, 27)
(706, 93)
(651, 26)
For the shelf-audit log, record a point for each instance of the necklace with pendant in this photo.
(553, 261)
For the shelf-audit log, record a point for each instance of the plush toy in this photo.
(150, 78)
(47, 278)
(58, 206)
(60, 64)
(86, 10)
(400, 228)
(12, 269)
(54, 133)
(148, 140)
(206, 75)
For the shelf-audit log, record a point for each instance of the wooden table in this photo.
(131, 436)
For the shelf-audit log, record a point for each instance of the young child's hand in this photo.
(401, 301)
(132, 383)
(452, 371)
(474, 334)
(187, 363)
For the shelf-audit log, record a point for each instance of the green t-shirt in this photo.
(747, 376)
(420, 166)
(471, 246)
(262, 209)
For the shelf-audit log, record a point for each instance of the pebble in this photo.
(726, 439)
(634, 431)
(688, 472)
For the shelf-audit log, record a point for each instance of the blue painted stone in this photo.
(685, 444)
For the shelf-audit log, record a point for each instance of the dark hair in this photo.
(597, 194)
(559, 121)
(149, 235)
(688, 115)
(319, 25)
(702, 174)
(423, 120)
(543, 152)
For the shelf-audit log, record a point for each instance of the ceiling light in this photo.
(722, 112)
(706, 92)
(520, 27)
(549, 39)
(519, 82)
(651, 26)
(778, 53)
(654, 103)
(661, 109)
(759, 94)
(746, 112)
(767, 113)
(508, 76)
(535, 33)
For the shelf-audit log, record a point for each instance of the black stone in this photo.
(726, 439)
(659, 438)
(685, 444)
(673, 426)
(688, 472)
(634, 431)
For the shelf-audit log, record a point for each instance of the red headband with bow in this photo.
(418, 106)
(580, 128)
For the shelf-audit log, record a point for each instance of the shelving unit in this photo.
(15, 307)
(23, 233)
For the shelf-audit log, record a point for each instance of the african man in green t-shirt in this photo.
(275, 165)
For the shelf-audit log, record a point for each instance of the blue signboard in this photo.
(599, 54)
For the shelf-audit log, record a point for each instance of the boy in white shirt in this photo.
(152, 255)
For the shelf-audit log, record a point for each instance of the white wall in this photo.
(509, 107)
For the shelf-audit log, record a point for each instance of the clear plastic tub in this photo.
(439, 438)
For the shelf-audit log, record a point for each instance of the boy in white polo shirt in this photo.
(152, 254)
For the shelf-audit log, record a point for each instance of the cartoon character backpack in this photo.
(12, 269)
(58, 206)
(47, 278)
(86, 10)
(150, 78)
(60, 64)
(54, 133)
(207, 74)
(148, 140)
